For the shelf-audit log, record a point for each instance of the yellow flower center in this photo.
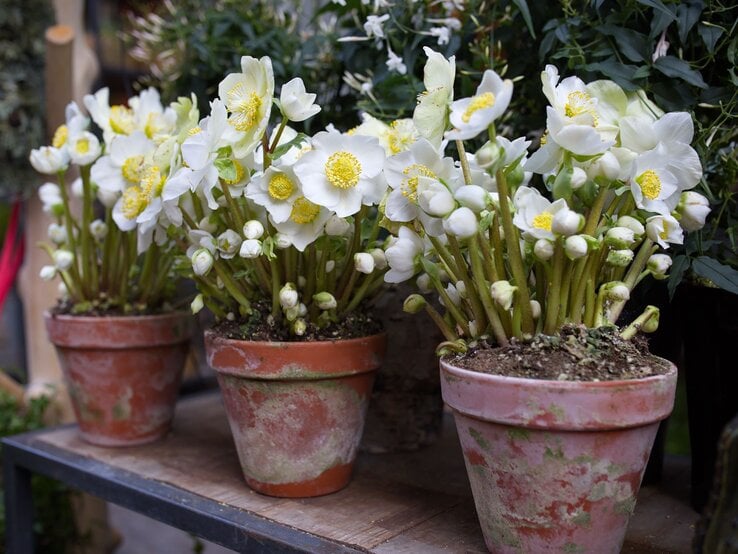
(240, 172)
(121, 120)
(304, 211)
(152, 182)
(650, 184)
(343, 170)
(132, 168)
(544, 137)
(398, 140)
(60, 136)
(82, 146)
(134, 202)
(153, 125)
(579, 102)
(244, 107)
(351, 132)
(281, 187)
(409, 186)
(543, 221)
(480, 102)
(192, 132)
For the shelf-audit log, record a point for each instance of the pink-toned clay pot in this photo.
(296, 409)
(123, 373)
(555, 466)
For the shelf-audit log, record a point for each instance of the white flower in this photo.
(84, 148)
(641, 133)
(431, 114)
(693, 209)
(578, 177)
(664, 229)
(567, 222)
(339, 172)
(434, 198)
(395, 63)
(503, 293)
(57, 233)
(364, 262)
(305, 223)
(229, 241)
(63, 259)
(631, 223)
(337, 226)
(543, 249)
(251, 248)
(276, 190)
(620, 238)
(607, 166)
(297, 104)
(462, 223)
(373, 25)
(253, 229)
(659, 264)
(534, 213)
(424, 283)
(47, 273)
(248, 98)
(49, 160)
(575, 247)
(282, 241)
(50, 196)
(98, 229)
(473, 197)
(202, 261)
(288, 297)
(471, 116)
(402, 256)
(380, 259)
(124, 163)
(443, 34)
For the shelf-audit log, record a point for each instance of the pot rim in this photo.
(212, 335)
(128, 318)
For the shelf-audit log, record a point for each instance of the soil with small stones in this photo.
(64, 307)
(576, 354)
(260, 327)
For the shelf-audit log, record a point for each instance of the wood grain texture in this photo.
(397, 503)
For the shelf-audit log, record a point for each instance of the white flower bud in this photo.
(567, 222)
(288, 297)
(57, 233)
(473, 197)
(98, 229)
(424, 283)
(575, 247)
(414, 304)
(453, 295)
(620, 258)
(50, 195)
(330, 265)
(250, 249)
(301, 281)
(461, 288)
(631, 223)
(302, 309)
(228, 243)
(291, 314)
(282, 241)
(253, 229)
(659, 264)
(535, 308)
(47, 273)
(63, 259)
(197, 304)
(325, 301)
(617, 291)
(61, 290)
(578, 178)
(693, 208)
(363, 262)
(434, 198)
(337, 226)
(607, 166)
(207, 225)
(299, 327)
(620, 238)
(487, 155)
(503, 293)
(473, 328)
(76, 188)
(543, 249)
(202, 261)
(49, 160)
(107, 198)
(462, 223)
(380, 259)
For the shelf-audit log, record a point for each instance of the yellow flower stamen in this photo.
(281, 187)
(152, 125)
(351, 132)
(60, 136)
(82, 146)
(543, 221)
(409, 186)
(192, 132)
(152, 182)
(650, 184)
(397, 140)
(240, 172)
(121, 120)
(343, 170)
(132, 168)
(579, 102)
(480, 102)
(244, 107)
(544, 137)
(304, 211)
(134, 202)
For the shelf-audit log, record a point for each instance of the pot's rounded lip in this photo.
(131, 318)
(212, 335)
(561, 385)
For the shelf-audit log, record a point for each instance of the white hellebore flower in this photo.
(462, 223)
(431, 113)
(123, 164)
(63, 259)
(659, 264)
(84, 148)
(664, 229)
(364, 262)
(620, 238)
(49, 160)
(304, 224)
(473, 197)
(229, 242)
(288, 297)
(576, 247)
(472, 116)
(47, 273)
(250, 248)
(297, 104)
(543, 249)
(276, 190)
(337, 227)
(57, 233)
(340, 172)
(534, 213)
(402, 256)
(202, 261)
(567, 222)
(693, 209)
(50, 196)
(253, 229)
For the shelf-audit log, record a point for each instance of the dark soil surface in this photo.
(103, 309)
(576, 354)
(260, 327)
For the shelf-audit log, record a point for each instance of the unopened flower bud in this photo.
(414, 304)
(380, 258)
(282, 241)
(291, 314)
(288, 297)
(631, 223)
(617, 291)
(253, 229)
(473, 330)
(47, 273)
(228, 243)
(693, 208)
(424, 283)
(462, 223)
(503, 293)
(57, 233)
(337, 226)
(535, 308)
(659, 264)
(543, 249)
(250, 249)
(575, 247)
(301, 281)
(330, 265)
(62, 290)
(107, 198)
(364, 262)
(302, 309)
(197, 304)
(461, 288)
(578, 178)
(567, 222)
(325, 300)
(453, 295)
(207, 225)
(434, 198)
(620, 258)
(76, 188)
(620, 238)
(299, 327)
(98, 229)
(487, 155)
(473, 197)
(651, 325)
(202, 261)
(607, 166)
(63, 259)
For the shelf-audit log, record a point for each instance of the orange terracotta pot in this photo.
(123, 373)
(296, 409)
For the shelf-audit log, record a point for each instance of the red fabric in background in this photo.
(11, 257)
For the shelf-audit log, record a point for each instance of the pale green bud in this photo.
(299, 327)
(414, 304)
(325, 300)
(620, 258)
(620, 238)
(288, 297)
(197, 304)
(503, 293)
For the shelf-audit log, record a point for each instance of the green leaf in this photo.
(679, 69)
(657, 5)
(562, 184)
(688, 13)
(680, 264)
(525, 12)
(226, 169)
(621, 73)
(282, 148)
(631, 44)
(430, 268)
(723, 276)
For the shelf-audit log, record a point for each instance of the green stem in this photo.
(197, 206)
(593, 217)
(233, 206)
(447, 258)
(278, 136)
(458, 316)
(637, 324)
(483, 287)
(276, 282)
(553, 299)
(448, 333)
(231, 286)
(471, 288)
(75, 270)
(464, 162)
(88, 246)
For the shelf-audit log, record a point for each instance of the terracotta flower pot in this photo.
(296, 409)
(555, 466)
(123, 373)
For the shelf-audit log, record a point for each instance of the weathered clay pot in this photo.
(123, 373)
(555, 466)
(296, 409)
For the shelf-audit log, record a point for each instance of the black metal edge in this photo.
(225, 525)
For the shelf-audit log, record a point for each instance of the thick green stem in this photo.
(447, 258)
(278, 135)
(630, 331)
(75, 271)
(448, 333)
(593, 217)
(276, 286)
(464, 162)
(484, 292)
(197, 206)
(233, 207)
(231, 286)
(471, 288)
(459, 317)
(553, 300)
(89, 254)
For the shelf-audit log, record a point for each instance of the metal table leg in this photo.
(18, 507)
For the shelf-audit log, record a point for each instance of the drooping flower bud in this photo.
(57, 233)
(202, 261)
(380, 259)
(282, 241)
(693, 208)
(288, 297)
(659, 264)
(325, 300)
(453, 295)
(543, 249)
(575, 247)
(631, 223)
(363, 262)
(503, 293)
(63, 259)
(414, 304)
(47, 273)
(535, 308)
(473, 197)
(299, 327)
(424, 283)
(253, 229)
(567, 222)
(487, 155)
(462, 223)
(620, 238)
(617, 291)
(578, 178)
(197, 304)
(620, 258)
(337, 226)
(250, 249)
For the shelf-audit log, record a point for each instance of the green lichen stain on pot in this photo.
(122, 408)
(518, 433)
(572, 548)
(557, 412)
(479, 439)
(582, 519)
(557, 454)
(615, 470)
(450, 378)
(86, 412)
(598, 492)
(626, 507)
(501, 534)
(583, 459)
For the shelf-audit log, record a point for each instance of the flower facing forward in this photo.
(534, 214)
(276, 190)
(124, 163)
(472, 116)
(305, 223)
(340, 172)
